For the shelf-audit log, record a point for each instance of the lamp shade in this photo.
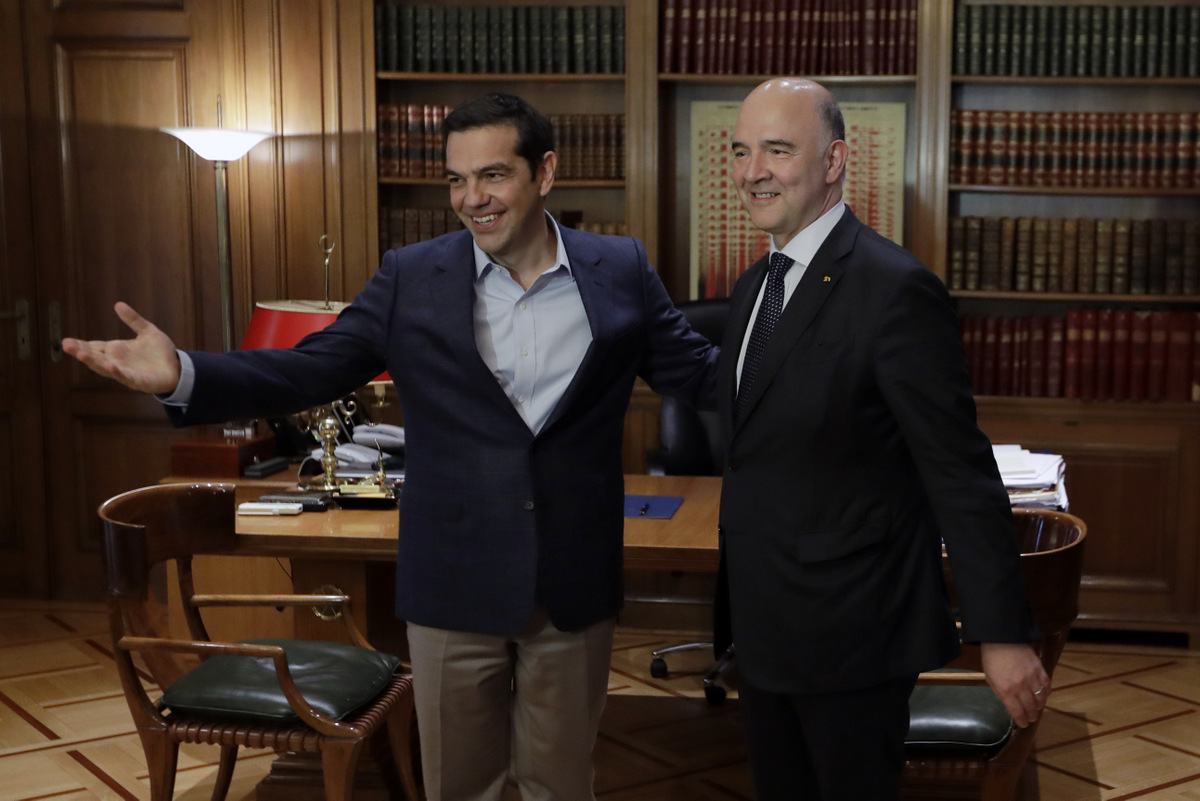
(218, 144)
(283, 323)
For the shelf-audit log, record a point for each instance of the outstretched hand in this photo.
(147, 363)
(1017, 677)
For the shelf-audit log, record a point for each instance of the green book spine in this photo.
(1125, 43)
(1166, 42)
(437, 39)
(1193, 42)
(495, 40)
(423, 38)
(1153, 45)
(1056, 41)
(1070, 40)
(606, 40)
(1180, 47)
(562, 39)
(1096, 41)
(521, 46)
(619, 40)
(508, 40)
(989, 40)
(974, 40)
(958, 59)
(1016, 39)
(385, 15)
(482, 46)
(549, 53)
(466, 39)
(578, 38)
(591, 40)
(1083, 43)
(1138, 57)
(1041, 48)
(453, 43)
(1112, 42)
(1003, 40)
(406, 45)
(535, 40)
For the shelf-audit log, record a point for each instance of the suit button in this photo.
(528, 506)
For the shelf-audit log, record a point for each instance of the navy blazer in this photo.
(857, 453)
(493, 518)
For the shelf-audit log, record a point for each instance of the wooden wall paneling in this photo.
(24, 562)
(642, 169)
(926, 211)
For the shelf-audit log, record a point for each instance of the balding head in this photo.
(789, 155)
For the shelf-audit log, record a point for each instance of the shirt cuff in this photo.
(187, 379)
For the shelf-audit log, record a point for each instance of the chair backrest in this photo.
(1051, 545)
(149, 526)
(690, 440)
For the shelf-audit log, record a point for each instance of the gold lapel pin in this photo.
(827, 279)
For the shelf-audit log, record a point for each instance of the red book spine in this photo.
(867, 42)
(1156, 358)
(1020, 368)
(1056, 336)
(1087, 354)
(1072, 353)
(1139, 355)
(1004, 357)
(980, 148)
(666, 36)
(972, 340)
(987, 361)
(701, 52)
(745, 16)
(1104, 354)
(1035, 377)
(1180, 334)
(683, 35)
(791, 55)
(770, 41)
(1122, 320)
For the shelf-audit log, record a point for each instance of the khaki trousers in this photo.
(528, 706)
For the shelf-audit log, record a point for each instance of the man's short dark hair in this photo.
(835, 123)
(535, 134)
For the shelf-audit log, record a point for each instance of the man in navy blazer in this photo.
(513, 346)
(853, 452)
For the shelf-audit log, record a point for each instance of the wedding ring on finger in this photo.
(1038, 691)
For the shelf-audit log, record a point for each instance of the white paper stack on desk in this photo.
(1035, 480)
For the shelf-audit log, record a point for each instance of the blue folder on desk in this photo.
(659, 506)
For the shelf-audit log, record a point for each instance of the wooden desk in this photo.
(686, 541)
(354, 551)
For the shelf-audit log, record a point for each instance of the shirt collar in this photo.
(484, 263)
(804, 245)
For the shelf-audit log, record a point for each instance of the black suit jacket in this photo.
(493, 518)
(857, 453)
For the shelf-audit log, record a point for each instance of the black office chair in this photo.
(690, 445)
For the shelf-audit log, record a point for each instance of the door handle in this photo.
(20, 313)
(54, 328)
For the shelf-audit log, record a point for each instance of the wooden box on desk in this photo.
(214, 454)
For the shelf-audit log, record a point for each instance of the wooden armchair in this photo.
(962, 744)
(289, 695)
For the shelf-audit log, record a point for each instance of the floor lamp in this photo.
(221, 146)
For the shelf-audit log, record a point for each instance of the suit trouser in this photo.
(839, 746)
(528, 705)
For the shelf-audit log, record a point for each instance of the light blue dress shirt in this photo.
(532, 340)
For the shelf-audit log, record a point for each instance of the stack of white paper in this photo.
(1032, 479)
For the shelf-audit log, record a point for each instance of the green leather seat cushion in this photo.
(968, 720)
(336, 679)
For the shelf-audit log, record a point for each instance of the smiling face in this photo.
(494, 194)
(786, 169)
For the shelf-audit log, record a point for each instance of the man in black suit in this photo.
(514, 346)
(853, 453)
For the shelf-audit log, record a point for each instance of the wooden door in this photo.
(119, 211)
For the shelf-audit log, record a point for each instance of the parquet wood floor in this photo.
(1123, 723)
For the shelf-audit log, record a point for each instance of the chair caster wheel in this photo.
(715, 695)
(658, 668)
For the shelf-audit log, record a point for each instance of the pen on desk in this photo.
(645, 508)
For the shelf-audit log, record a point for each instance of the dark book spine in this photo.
(1104, 354)
(423, 38)
(437, 39)
(521, 63)
(483, 48)
(1054, 251)
(1112, 42)
(1023, 255)
(1003, 57)
(562, 38)
(1070, 253)
(973, 227)
(1153, 53)
(1139, 255)
(1156, 256)
(988, 31)
(618, 45)
(496, 39)
(956, 256)
(989, 259)
(1085, 265)
(1072, 353)
(1016, 39)
(549, 40)
(1137, 55)
(387, 37)
(1156, 358)
(1139, 354)
(1191, 257)
(605, 48)
(668, 14)
(1173, 257)
(508, 40)
(1056, 339)
(1035, 375)
(579, 41)
(453, 43)
(1057, 51)
(1124, 276)
(1087, 354)
(1008, 252)
(1083, 43)
(1122, 321)
(466, 36)
(1125, 43)
(975, 38)
(534, 24)
(1180, 335)
(1098, 42)
(591, 40)
(406, 44)
(1004, 356)
(1102, 266)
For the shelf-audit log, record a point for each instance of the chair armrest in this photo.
(268, 600)
(154, 645)
(952, 678)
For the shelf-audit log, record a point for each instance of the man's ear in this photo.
(546, 169)
(836, 157)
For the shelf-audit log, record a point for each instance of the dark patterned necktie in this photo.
(768, 314)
